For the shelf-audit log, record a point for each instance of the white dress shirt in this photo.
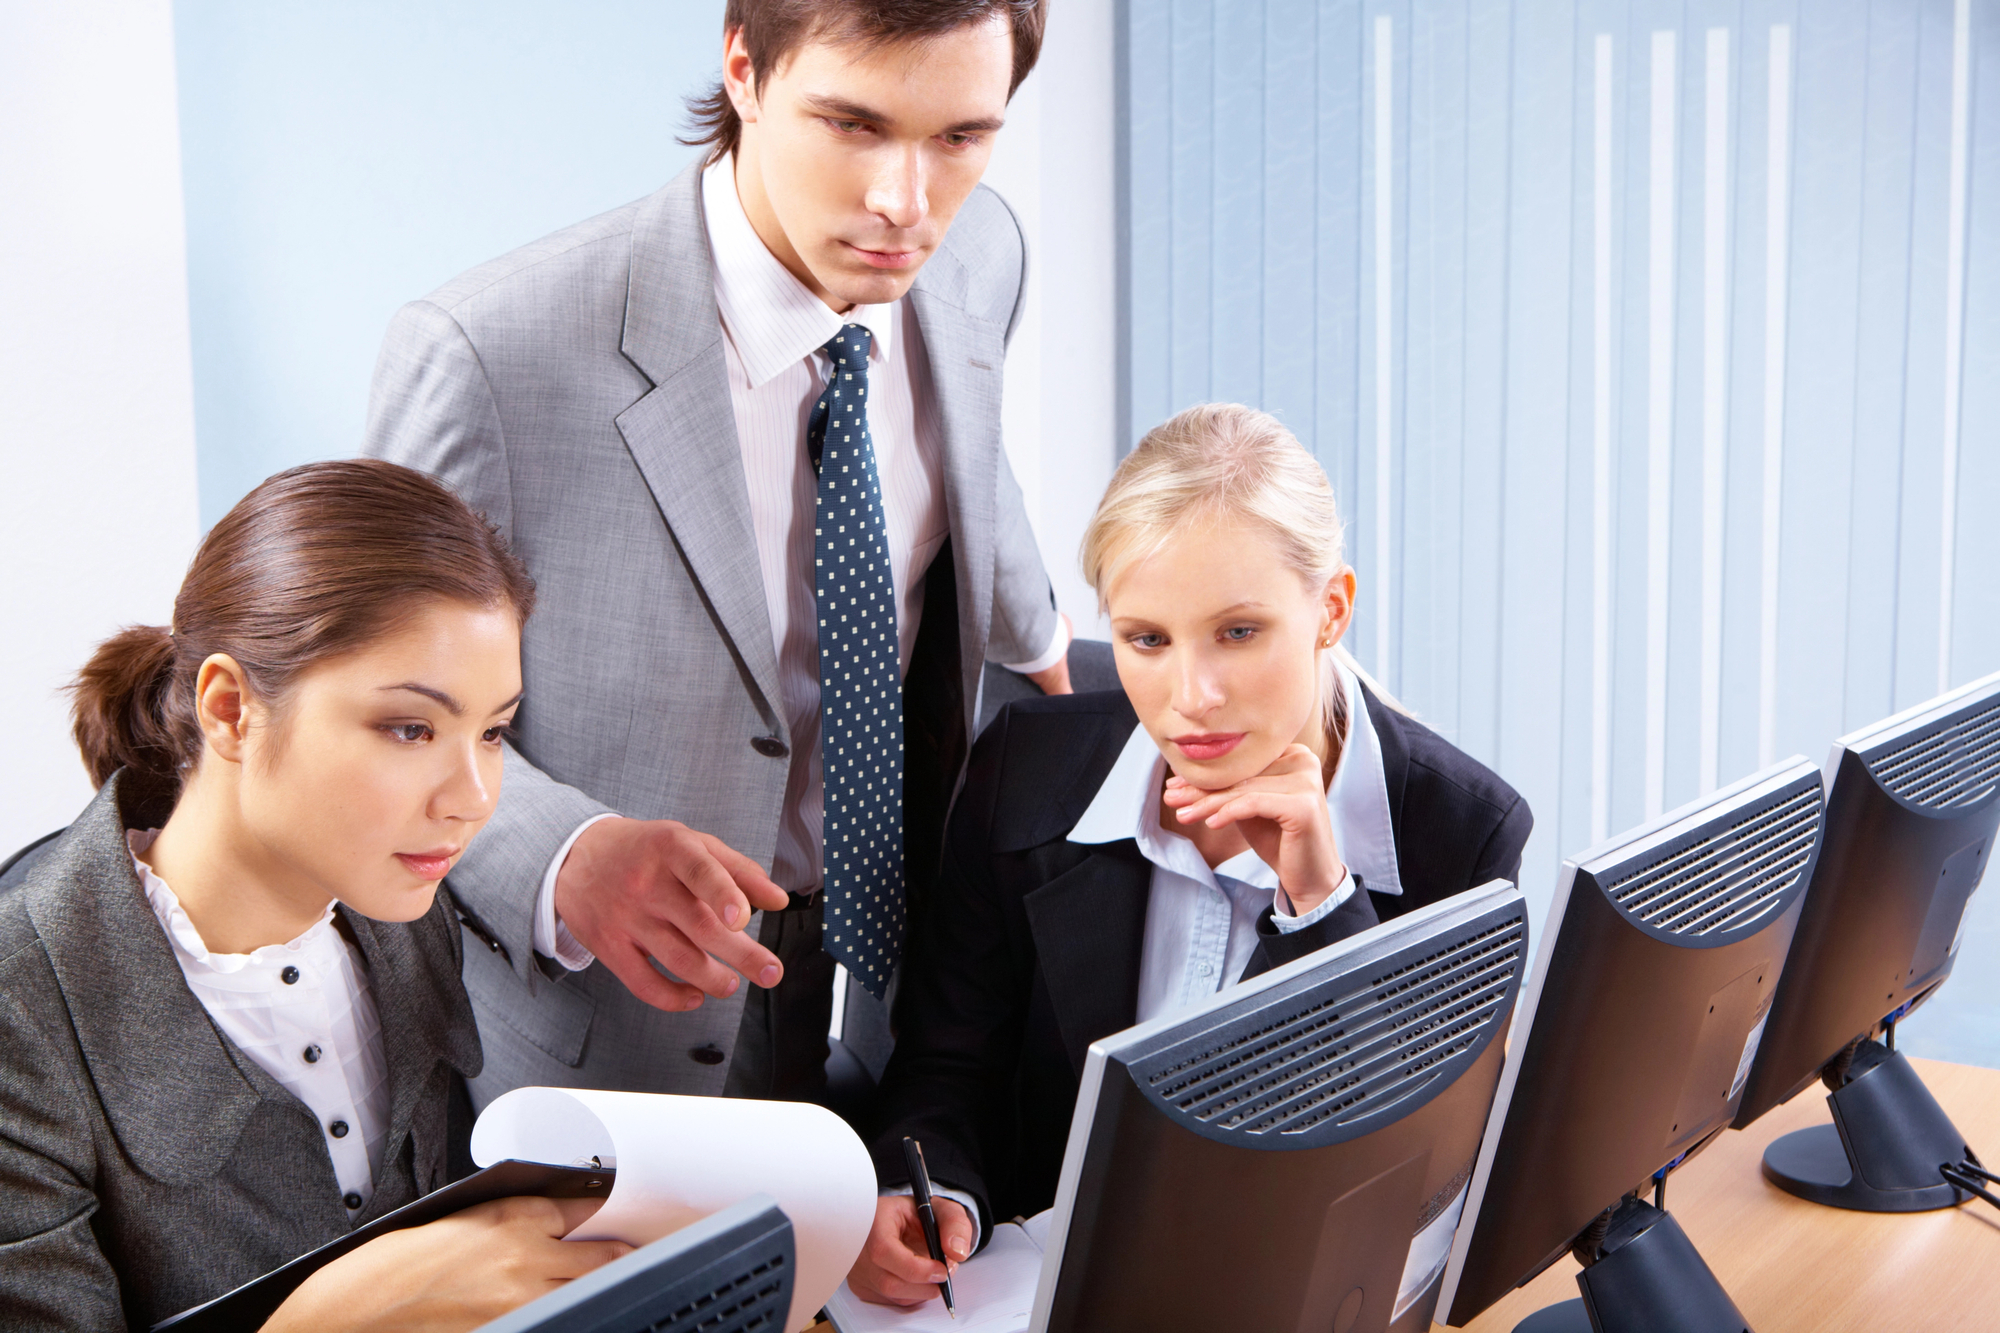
(317, 1035)
(773, 329)
(1201, 923)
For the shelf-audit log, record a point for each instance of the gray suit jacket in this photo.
(146, 1163)
(576, 392)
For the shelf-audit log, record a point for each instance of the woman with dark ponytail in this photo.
(230, 1012)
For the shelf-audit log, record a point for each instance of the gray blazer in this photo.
(146, 1163)
(575, 391)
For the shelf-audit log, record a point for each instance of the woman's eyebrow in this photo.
(457, 709)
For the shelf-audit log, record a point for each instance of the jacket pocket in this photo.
(554, 1018)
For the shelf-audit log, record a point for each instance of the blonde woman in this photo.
(1246, 798)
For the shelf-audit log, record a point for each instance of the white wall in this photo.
(97, 481)
(1056, 164)
(341, 159)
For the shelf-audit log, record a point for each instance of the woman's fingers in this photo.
(956, 1229)
(895, 1267)
(1279, 807)
(574, 1258)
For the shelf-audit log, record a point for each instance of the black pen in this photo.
(920, 1183)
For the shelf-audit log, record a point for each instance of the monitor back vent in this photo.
(754, 1300)
(1730, 878)
(1346, 1055)
(1957, 764)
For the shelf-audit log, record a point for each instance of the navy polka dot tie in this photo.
(860, 678)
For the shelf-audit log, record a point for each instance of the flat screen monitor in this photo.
(1272, 1159)
(1911, 810)
(731, 1272)
(1629, 1051)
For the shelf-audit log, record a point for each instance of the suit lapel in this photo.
(682, 435)
(1395, 762)
(176, 1094)
(1089, 926)
(965, 356)
(425, 1018)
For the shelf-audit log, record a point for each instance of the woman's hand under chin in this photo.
(1283, 816)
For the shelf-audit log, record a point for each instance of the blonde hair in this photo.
(1216, 462)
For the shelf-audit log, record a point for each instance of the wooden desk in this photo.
(1789, 1264)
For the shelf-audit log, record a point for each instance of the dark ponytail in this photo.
(123, 708)
(313, 563)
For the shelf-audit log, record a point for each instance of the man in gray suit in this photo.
(746, 434)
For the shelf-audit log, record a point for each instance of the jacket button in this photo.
(769, 746)
(338, 1129)
(351, 1199)
(707, 1055)
(312, 1055)
(290, 976)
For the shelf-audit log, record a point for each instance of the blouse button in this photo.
(351, 1199)
(338, 1129)
(312, 1055)
(289, 976)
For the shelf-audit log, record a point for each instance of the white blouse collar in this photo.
(1127, 806)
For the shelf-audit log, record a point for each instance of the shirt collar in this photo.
(1127, 805)
(189, 948)
(771, 318)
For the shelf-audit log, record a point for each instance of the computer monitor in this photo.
(1270, 1160)
(731, 1272)
(1629, 1051)
(1912, 805)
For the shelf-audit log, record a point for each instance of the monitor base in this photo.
(1562, 1317)
(1649, 1278)
(1882, 1152)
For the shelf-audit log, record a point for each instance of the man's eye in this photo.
(960, 140)
(410, 733)
(848, 126)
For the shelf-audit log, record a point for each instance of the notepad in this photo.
(995, 1291)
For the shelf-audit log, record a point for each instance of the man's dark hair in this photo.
(774, 30)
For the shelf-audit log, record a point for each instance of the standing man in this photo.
(746, 434)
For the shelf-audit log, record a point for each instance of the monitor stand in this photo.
(1882, 1152)
(1648, 1276)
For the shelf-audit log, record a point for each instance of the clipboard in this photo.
(245, 1309)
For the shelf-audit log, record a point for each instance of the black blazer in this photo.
(1030, 951)
(146, 1163)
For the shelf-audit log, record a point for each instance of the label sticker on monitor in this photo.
(1749, 1056)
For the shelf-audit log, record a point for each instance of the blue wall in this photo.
(342, 159)
(1546, 409)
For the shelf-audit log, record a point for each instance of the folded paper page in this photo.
(679, 1159)
(995, 1290)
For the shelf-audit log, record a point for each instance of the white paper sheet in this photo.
(680, 1159)
(995, 1291)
